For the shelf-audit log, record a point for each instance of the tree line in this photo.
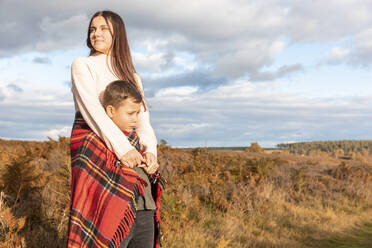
(347, 146)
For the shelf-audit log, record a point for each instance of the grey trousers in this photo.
(143, 230)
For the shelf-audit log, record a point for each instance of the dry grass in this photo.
(213, 198)
(243, 199)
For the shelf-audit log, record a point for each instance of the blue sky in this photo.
(216, 73)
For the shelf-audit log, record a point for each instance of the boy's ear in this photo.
(110, 111)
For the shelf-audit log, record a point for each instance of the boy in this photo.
(122, 102)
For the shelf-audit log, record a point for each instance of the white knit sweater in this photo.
(90, 76)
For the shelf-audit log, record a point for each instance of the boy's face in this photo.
(126, 115)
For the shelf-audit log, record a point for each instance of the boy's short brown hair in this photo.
(117, 91)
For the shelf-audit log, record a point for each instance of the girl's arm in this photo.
(144, 129)
(86, 98)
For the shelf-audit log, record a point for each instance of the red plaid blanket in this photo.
(103, 193)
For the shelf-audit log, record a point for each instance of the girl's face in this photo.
(100, 35)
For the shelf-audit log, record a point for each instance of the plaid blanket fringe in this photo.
(103, 193)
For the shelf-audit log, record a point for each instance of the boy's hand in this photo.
(132, 158)
(151, 163)
(150, 159)
(151, 170)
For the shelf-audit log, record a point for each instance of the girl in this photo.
(103, 194)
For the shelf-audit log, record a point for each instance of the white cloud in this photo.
(175, 92)
(14, 88)
(42, 60)
(331, 20)
(277, 47)
(360, 53)
(236, 37)
(149, 62)
(61, 131)
(337, 53)
(282, 71)
(182, 128)
(21, 92)
(336, 56)
(185, 63)
(230, 115)
(257, 112)
(62, 34)
(240, 62)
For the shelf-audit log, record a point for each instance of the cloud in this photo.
(34, 113)
(2, 95)
(235, 38)
(200, 79)
(226, 115)
(312, 22)
(60, 34)
(358, 55)
(68, 84)
(336, 56)
(240, 113)
(14, 88)
(152, 62)
(36, 26)
(282, 71)
(239, 63)
(59, 131)
(178, 91)
(42, 60)
(30, 121)
(361, 55)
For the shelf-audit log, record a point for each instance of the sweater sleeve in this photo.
(87, 100)
(144, 129)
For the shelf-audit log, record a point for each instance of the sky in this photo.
(215, 73)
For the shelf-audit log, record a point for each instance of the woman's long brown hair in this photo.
(121, 59)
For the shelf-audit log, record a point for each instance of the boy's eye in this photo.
(133, 113)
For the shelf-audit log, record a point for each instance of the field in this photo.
(214, 198)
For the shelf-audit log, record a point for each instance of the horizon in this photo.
(276, 147)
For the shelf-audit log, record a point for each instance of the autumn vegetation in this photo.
(340, 146)
(248, 198)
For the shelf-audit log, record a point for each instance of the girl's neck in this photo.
(101, 54)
